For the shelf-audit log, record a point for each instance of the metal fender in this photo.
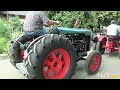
(102, 39)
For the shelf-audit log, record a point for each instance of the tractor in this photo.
(54, 55)
(107, 43)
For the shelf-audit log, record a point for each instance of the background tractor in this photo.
(104, 43)
(54, 55)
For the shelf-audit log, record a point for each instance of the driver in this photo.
(34, 22)
(113, 29)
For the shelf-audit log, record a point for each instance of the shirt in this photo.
(34, 20)
(118, 30)
(112, 29)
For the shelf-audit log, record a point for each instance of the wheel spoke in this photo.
(95, 63)
(92, 66)
(60, 56)
(48, 63)
(56, 65)
(59, 66)
(96, 59)
(56, 72)
(53, 56)
(49, 73)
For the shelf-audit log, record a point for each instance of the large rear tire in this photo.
(52, 57)
(14, 48)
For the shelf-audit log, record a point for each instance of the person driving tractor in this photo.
(113, 29)
(34, 22)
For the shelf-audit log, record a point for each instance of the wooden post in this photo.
(7, 16)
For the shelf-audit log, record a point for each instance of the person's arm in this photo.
(47, 21)
(45, 24)
(52, 22)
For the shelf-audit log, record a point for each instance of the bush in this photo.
(68, 18)
(88, 19)
(16, 24)
(5, 36)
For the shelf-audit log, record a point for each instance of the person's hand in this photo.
(57, 22)
(46, 25)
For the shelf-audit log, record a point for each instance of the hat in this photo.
(113, 22)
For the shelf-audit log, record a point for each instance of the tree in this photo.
(16, 24)
(5, 36)
(88, 19)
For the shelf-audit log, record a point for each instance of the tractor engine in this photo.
(80, 41)
(80, 37)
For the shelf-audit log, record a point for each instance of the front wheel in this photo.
(93, 62)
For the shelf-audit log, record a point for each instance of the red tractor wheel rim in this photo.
(21, 54)
(56, 64)
(95, 62)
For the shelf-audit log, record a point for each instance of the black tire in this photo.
(99, 47)
(88, 62)
(36, 40)
(41, 50)
(14, 49)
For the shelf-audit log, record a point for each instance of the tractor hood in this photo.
(63, 30)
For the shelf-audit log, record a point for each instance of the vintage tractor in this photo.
(109, 43)
(54, 55)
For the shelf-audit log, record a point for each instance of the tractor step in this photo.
(22, 68)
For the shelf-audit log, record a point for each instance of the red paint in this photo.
(21, 54)
(77, 22)
(56, 67)
(103, 39)
(111, 45)
(98, 35)
(95, 62)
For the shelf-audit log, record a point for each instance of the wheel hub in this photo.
(94, 63)
(56, 64)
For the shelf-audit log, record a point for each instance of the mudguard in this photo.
(102, 39)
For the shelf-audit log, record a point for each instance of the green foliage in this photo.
(5, 36)
(88, 19)
(68, 18)
(8, 30)
(16, 24)
(50, 14)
